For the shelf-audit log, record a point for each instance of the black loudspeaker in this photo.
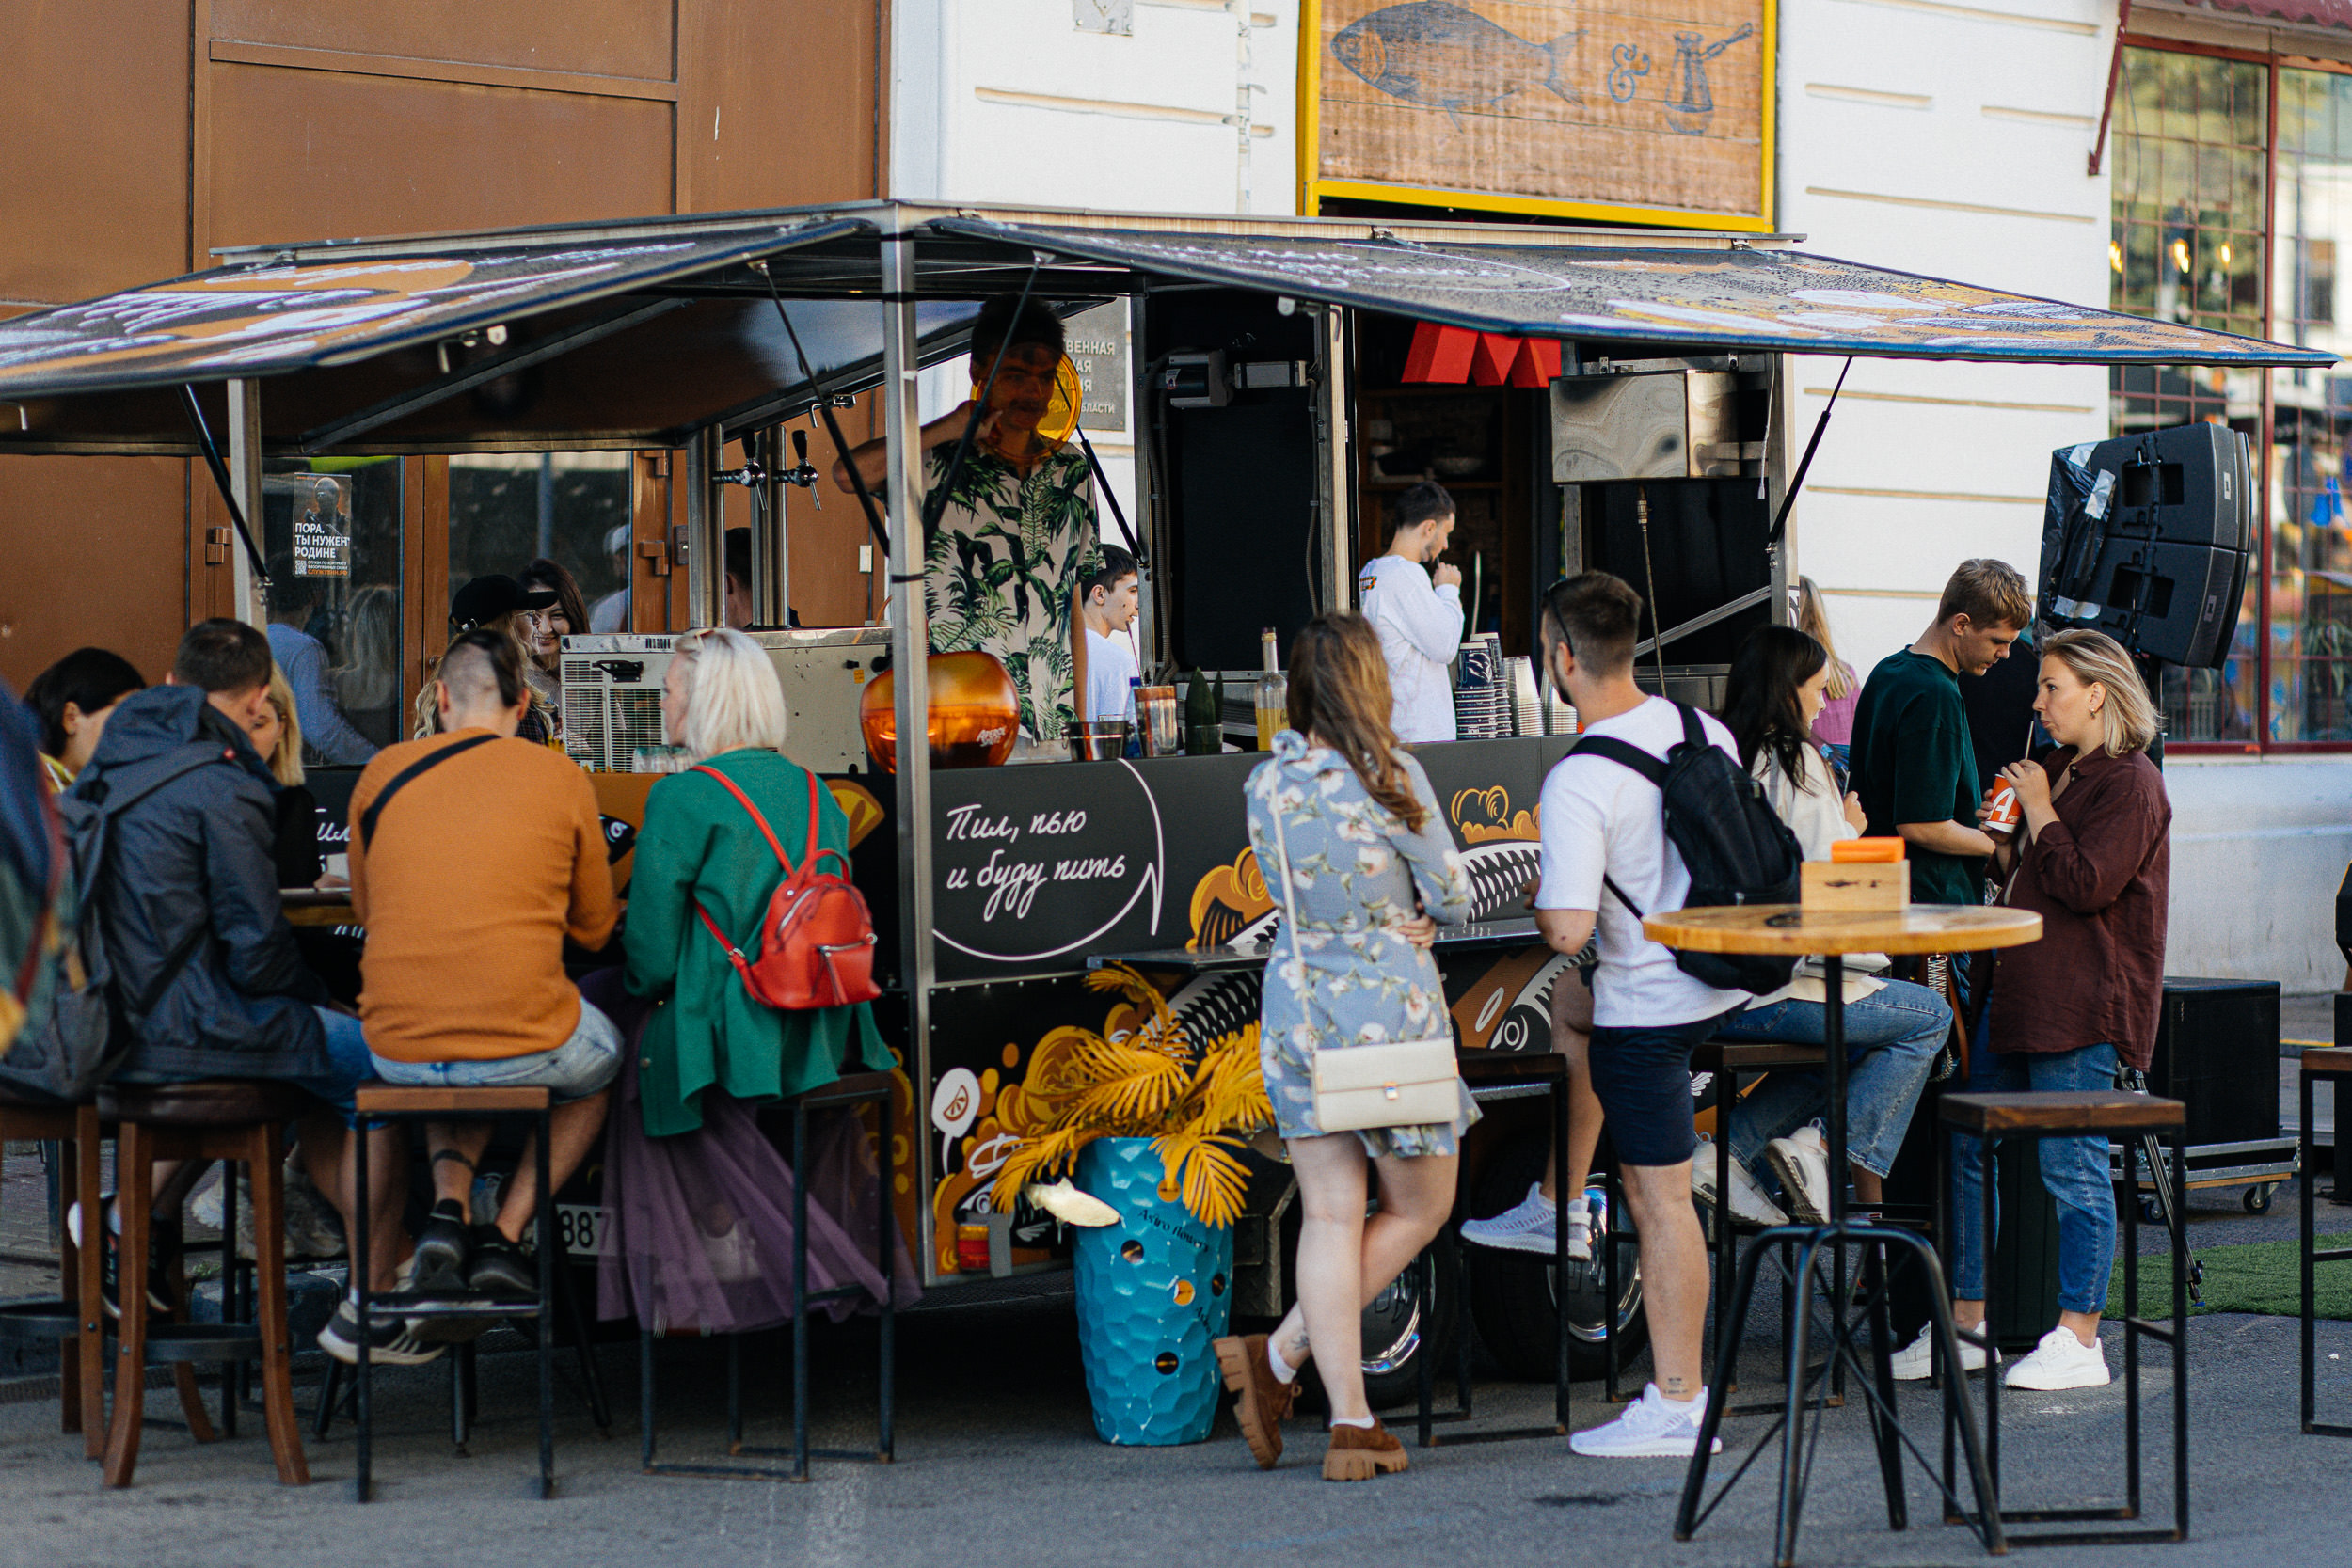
(2218, 1053)
(2148, 538)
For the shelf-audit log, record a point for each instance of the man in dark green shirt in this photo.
(1913, 764)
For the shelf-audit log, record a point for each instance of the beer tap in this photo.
(751, 475)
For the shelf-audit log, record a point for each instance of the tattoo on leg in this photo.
(1677, 1388)
(1294, 1348)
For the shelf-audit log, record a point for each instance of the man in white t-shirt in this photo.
(1605, 844)
(1414, 601)
(1108, 609)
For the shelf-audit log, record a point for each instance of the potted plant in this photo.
(1152, 1125)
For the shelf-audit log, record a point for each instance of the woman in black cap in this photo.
(499, 603)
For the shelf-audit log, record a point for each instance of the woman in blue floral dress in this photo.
(1372, 869)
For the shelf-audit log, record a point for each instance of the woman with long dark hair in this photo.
(1371, 863)
(1894, 1030)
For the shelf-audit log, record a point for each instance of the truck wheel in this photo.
(1399, 1327)
(1514, 1295)
(2257, 1199)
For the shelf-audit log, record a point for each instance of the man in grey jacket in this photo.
(209, 980)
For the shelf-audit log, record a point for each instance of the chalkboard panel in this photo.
(1036, 867)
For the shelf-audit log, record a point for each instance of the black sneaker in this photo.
(110, 1263)
(441, 1248)
(390, 1343)
(500, 1267)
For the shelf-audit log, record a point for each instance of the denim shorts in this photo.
(1642, 1077)
(585, 1064)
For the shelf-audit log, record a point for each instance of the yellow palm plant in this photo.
(1139, 1078)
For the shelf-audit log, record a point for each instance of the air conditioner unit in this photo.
(613, 693)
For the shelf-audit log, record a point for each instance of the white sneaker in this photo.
(1801, 1160)
(2061, 1361)
(1652, 1427)
(1748, 1203)
(1915, 1361)
(1530, 1225)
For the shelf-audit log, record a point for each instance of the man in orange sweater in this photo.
(473, 855)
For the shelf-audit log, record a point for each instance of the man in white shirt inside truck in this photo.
(1414, 601)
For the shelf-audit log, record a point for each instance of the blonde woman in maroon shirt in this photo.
(2092, 857)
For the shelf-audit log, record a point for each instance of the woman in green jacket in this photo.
(721, 702)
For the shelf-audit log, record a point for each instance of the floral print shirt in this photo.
(1000, 570)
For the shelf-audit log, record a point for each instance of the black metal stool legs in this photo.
(2305, 1204)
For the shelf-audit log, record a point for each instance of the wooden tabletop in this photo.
(1790, 928)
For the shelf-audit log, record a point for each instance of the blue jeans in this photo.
(1892, 1037)
(348, 1063)
(585, 1064)
(2075, 1171)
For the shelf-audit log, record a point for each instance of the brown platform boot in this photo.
(1262, 1403)
(1359, 1453)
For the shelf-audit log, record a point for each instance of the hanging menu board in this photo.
(1653, 111)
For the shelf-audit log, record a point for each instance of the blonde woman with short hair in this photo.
(702, 854)
(2092, 857)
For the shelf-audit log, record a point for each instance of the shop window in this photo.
(508, 509)
(2189, 245)
(331, 536)
(2310, 551)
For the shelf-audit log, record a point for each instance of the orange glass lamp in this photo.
(974, 712)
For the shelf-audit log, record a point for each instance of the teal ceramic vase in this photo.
(1154, 1291)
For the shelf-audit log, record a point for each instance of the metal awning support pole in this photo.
(250, 581)
(910, 648)
(1334, 480)
(771, 571)
(2115, 74)
(706, 532)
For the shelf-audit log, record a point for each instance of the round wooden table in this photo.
(1792, 930)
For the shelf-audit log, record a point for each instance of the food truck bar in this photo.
(1282, 391)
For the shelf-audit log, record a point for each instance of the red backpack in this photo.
(816, 948)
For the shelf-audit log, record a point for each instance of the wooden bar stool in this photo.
(381, 1101)
(237, 1120)
(2331, 1064)
(846, 1093)
(75, 1317)
(2119, 1117)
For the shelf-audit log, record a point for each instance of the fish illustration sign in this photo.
(1658, 113)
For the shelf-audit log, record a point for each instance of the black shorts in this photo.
(1643, 1078)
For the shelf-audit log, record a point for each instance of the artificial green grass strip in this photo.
(2255, 1276)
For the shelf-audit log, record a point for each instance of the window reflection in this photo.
(2188, 245)
(331, 540)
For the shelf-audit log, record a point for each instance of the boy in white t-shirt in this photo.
(1111, 599)
(1604, 842)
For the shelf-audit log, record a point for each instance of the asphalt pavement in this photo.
(998, 1464)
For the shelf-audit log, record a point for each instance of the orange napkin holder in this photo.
(1867, 851)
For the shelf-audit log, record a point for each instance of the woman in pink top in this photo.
(1834, 727)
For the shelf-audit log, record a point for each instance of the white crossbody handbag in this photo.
(1401, 1083)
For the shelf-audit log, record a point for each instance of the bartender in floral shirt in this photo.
(1017, 537)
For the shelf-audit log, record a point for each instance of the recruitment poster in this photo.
(1656, 111)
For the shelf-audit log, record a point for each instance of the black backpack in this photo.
(1738, 850)
(73, 1043)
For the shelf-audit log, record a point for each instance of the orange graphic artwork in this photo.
(858, 804)
(1485, 816)
(1227, 900)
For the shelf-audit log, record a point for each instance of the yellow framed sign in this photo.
(1627, 111)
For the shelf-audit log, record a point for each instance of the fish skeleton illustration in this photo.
(1442, 56)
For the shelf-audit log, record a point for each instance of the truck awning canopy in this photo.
(1738, 297)
(636, 334)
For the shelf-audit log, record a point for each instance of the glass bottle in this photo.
(1273, 698)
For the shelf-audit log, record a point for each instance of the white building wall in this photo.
(1953, 140)
(1009, 101)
